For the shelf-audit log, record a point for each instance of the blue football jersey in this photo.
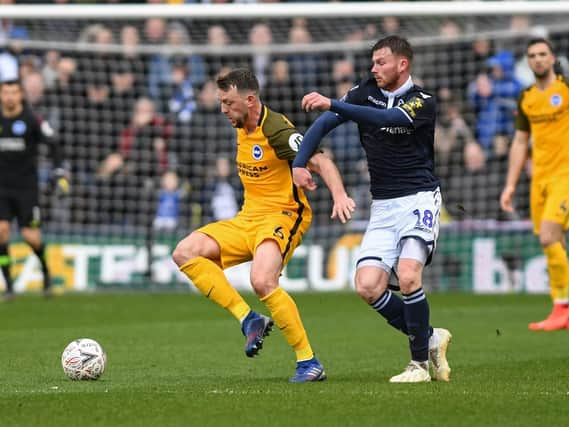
(400, 158)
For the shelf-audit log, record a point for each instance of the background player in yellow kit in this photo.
(543, 112)
(274, 217)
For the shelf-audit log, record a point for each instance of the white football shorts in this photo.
(392, 220)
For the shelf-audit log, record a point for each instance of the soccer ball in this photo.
(84, 359)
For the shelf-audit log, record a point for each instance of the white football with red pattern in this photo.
(84, 359)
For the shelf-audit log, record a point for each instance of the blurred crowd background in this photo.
(134, 106)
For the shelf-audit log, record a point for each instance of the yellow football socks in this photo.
(285, 314)
(558, 269)
(209, 278)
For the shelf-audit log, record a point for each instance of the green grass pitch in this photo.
(177, 359)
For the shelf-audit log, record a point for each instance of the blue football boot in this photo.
(255, 327)
(308, 371)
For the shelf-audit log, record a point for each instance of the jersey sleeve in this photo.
(282, 136)
(420, 109)
(521, 122)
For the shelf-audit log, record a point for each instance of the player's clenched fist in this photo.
(315, 101)
(303, 178)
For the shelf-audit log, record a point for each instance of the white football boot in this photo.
(438, 345)
(415, 372)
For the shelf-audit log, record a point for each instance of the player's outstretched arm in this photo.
(321, 126)
(517, 159)
(357, 113)
(344, 206)
(371, 116)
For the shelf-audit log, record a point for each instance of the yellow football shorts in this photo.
(239, 237)
(549, 201)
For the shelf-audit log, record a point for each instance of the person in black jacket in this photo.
(20, 133)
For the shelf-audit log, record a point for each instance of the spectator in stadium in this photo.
(124, 92)
(389, 25)
(177, 95)
(96, 66)
(344, 140)
(34, 88)
(481, 51)
(93, 106)
(208, 136)
(28, 64)
(144, 144)
(469, 190)
(11, 34)
(66, 68)
(8, 66)
(282, 93)
(130, 39)
(132, 173)
(541, 113)
(218, 40)
(20, 134)
(49, 68)
(451, 58)
(169, 201)
(260, 37)
(270, 225)
(305, 66)
(60, 98)
(493, 97)
(452, 134)
(223, 200)
(217, 36)
(158, 70)
(403, 227)
(178, 35)
(90, 140)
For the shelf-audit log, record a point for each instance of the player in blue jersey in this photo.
(396, 121)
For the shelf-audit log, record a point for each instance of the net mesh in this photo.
(133, 103)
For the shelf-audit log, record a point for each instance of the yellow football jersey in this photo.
(545, 114)
(264, 159)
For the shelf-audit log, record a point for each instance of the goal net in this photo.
(130, 92)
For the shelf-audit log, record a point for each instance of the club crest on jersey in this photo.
(18, 128)
(257, 152)
(556, 100)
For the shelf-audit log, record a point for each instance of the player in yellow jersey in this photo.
(543, 112)
(274, 217)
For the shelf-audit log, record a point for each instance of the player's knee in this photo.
(550, 234)
(548, 239)
(262, 284)
(32, 236)
(180, 254)
(368, 287)
(409, 280)
(185, 251)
